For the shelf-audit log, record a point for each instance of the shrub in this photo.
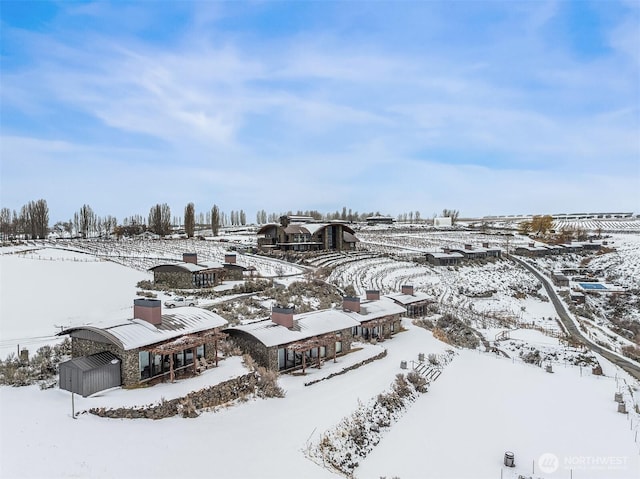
(268, 386)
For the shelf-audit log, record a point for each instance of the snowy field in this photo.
(43, 290)
(480, 407)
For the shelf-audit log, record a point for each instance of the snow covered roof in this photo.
(310, 324)
(446, 255)
(211, 265)
(136, 333)
(376, 309)
(408, 298)
(191, 267)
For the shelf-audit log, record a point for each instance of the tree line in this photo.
(32, 221)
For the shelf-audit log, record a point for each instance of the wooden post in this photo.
(195, 360)
(319, 364)
(171, 372)
(215, 348)
(304, 358)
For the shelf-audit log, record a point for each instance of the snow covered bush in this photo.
(356, 435)
(41, 367)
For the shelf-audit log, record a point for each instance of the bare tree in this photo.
(160, 219)
(215, 220)
(85, 220)
(5, 223)
(190, 220)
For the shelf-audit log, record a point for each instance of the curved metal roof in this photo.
(137, 333)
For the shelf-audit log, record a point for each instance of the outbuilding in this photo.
(90, 374)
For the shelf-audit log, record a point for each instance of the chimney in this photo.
(282, 316)
(373, 294)
(531, 245)
(230, 258)
(407, 289)
(485, 244)
(190, 258)
(149, 310)
(351, 303)
(468, 246)
(446, 250)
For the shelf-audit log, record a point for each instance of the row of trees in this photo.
(33, 220)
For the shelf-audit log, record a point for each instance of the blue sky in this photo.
(485, 107)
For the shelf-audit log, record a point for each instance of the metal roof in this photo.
(137, 333)
(95, 361)
(408, 298)
(309, 324)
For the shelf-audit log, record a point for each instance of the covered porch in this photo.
(184, 356)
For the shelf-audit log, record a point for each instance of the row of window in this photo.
(288, 359)
(153, 365)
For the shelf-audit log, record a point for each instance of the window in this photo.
(338, 347)
(145, 366)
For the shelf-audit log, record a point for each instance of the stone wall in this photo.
(173, 280)
(383, 354)
(129, 366)
(189, 405)
(254, 348)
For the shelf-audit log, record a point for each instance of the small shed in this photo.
(86, 375)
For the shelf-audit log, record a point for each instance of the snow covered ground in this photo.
(42, 290)
(480, 407)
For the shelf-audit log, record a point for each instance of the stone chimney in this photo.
(230, 258)
(446, 250)
(485, 244)
(407, 289)
(149, 310)
(282, 316)
(468, 246)
(531, 245)
(373, 294)
(351, 303)
(190, 258)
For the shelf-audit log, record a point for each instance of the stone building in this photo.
(188, 273)
(415, 302)
(153, 346)
(288, 341)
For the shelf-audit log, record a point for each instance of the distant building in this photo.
(295, 233)
(379, 220)
(414, 302)
(442, 222)
(188, 273)
(446, 258)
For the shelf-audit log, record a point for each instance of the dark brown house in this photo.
(290, 235)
